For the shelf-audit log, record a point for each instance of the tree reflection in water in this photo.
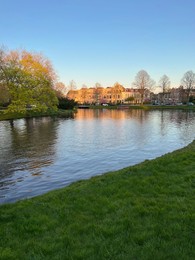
(30, 146)
(41, 154)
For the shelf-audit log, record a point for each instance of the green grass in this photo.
(183, 107)
(145, 107)
(154, 107)
(145, 211)
(29, 114)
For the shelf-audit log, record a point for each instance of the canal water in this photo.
(42, 154)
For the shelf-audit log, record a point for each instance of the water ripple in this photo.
(41, 154)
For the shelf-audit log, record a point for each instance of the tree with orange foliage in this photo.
(30, 78)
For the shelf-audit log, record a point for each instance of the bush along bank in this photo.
(29, 114)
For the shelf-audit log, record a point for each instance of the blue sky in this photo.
(91, 41)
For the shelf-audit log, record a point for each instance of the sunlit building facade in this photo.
(110, 95)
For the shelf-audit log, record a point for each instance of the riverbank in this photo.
(144, 107)
(70, 113)
(140, 212)
(29, 114)
(154, 107)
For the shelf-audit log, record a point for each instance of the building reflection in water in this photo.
(41, 154)
(139, 114)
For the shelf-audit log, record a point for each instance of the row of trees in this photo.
(143, 82)
(29, 80)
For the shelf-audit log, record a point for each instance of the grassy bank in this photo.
(183, 107)
(70, 113)
(145, 107)
(141, 212)
(28, 114)
(154, 107)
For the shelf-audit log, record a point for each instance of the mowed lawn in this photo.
(142, 212)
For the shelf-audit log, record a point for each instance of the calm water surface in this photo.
(41, 154)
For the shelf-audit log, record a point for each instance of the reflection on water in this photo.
(29, 142)
(40, 154)
(27, 146)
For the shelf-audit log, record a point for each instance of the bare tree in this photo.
(165, 83)
(83, 92)
(143, 82)
(188, 82)
(60, 89)
(118, 86)
(97, 85)
(72, 85)
(97, 92)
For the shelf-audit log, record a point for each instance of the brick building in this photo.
(115, 95)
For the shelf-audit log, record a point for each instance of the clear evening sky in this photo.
(104, 41)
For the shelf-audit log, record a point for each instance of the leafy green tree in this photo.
(65, 103)
(192, 99)
(29, 79)
(129, 99)
(4, 95)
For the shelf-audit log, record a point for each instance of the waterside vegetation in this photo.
(144, 211)
(30, 114)
(29, 87)
(66, 111)
(144, 107)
